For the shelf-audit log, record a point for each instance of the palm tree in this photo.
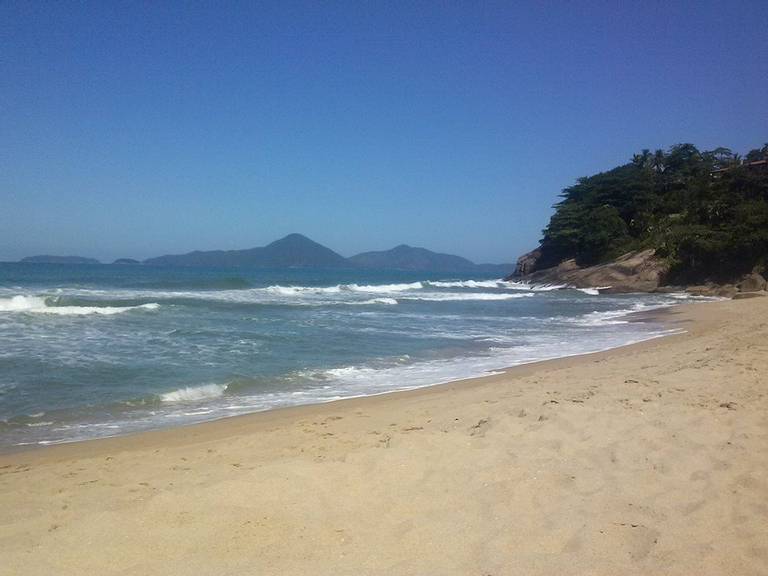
(642, 160)
(658, 163)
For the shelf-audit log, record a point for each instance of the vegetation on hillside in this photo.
(706, 212)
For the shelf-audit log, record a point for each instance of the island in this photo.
(47, 259)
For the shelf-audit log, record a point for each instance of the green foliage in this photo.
(707, 212)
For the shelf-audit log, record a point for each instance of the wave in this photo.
(387, 301)
(384, 288)
(299, 290)
(469, 284)
(40, 305)
(458, 296)
(194, 393)
(610, 317)
(592, 291)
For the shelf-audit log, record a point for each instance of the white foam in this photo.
(21, 303)
(275, 294)
(39, 305)
(459, 296)
(194, 393)
(384, 288)
(296, 290)
(593, 291)
(547, 287)
(610, 317)
(468, 284)
(387, 301)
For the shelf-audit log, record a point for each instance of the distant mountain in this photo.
(126, 261)
(294, 250)
(46, 259)
(406, 257)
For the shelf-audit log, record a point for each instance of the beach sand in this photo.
(649, 459)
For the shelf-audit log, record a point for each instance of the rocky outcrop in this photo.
(527, 263)
(745, 295)
(752, 283)
(641, 271)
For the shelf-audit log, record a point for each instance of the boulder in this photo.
(745, 295)
(710, 289)
(726, 291)
(752, 283)
(702, 290)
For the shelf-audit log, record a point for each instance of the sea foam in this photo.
(194, 393)
(39, 305)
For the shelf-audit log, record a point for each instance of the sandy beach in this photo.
(649, 459)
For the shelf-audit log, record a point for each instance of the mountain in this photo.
(47, 259)
(126, 261)
(294, 250)
(406, 257)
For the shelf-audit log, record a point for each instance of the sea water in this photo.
(99, 350)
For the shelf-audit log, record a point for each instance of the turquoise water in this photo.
(92, 350)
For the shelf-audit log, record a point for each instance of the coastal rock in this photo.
(526, 263)
(641, 271)
(713, 290)
(727, 291)
(745, 295)
(752, 283)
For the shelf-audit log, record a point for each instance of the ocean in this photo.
(90, 351)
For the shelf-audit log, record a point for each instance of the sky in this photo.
(134, 129)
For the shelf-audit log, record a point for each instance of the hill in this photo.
(406, 257)
(703, 214)
(47, 259)
(294, 250)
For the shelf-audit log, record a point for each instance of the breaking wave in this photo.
(40, 305)
(194, 393)
(456, 296)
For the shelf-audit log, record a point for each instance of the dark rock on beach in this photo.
(633, 272)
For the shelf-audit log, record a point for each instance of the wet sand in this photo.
(648, 459)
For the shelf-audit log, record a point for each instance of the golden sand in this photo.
(649, 459)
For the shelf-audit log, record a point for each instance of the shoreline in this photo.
(652, 315)
(644, 459)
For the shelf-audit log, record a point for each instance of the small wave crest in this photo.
(457, 297)
(386, 301)
(194, 393)
(593, 291)
(40, 305)
(469, 284)
(384, 288)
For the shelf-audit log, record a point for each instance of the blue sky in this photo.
(138, 129)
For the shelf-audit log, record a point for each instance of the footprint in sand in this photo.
(480, 428)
